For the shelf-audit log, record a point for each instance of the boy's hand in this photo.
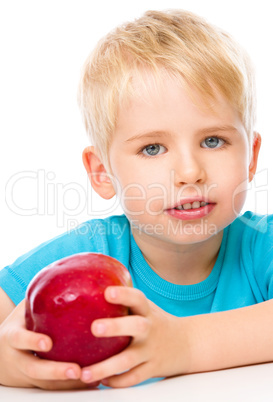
(20, 368)
(156, 347)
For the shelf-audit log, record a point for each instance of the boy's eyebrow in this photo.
(207, 130)
(149, 134)
(211, 130)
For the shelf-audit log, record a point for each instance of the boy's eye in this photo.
(153, 150)
(212, 142)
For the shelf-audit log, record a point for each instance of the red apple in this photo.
(64, 298)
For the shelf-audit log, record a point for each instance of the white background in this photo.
(43, 47)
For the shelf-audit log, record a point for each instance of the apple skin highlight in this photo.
(63, 300)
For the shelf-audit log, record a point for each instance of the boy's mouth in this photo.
(191, 205)
(190, 209)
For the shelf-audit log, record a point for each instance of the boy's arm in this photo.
(232, 338)
(164, 345)
(6, 305)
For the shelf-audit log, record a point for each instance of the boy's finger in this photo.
(130, 378)
(22, 339)
(130, 297)
(59, 385)
(119, 363)
(41, 369)
(64, 385)
(132, 325)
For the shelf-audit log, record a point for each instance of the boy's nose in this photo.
(189, 169)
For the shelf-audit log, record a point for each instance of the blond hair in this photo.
(195, 52)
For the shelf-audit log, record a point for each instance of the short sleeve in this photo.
(107, 236)
(262, 254)
(257, 254)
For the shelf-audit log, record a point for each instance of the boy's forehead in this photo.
(146, 87)
(142, 121)
(149, 91)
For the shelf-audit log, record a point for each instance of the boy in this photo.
(168, 101)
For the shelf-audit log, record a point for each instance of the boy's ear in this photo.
(97, 174)
(255, 153)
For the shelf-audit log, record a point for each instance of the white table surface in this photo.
(251, 383)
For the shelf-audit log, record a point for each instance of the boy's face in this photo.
(167, 152)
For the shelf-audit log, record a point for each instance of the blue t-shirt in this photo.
(241, 276)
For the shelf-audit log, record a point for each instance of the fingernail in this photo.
(86, 376)
(70, 373)
(100, 328)
(113, 293)
(42, 345)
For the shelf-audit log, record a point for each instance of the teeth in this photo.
(187, 206)
(193, 205)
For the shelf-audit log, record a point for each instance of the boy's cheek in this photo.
(140, 202)
(238, 200)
